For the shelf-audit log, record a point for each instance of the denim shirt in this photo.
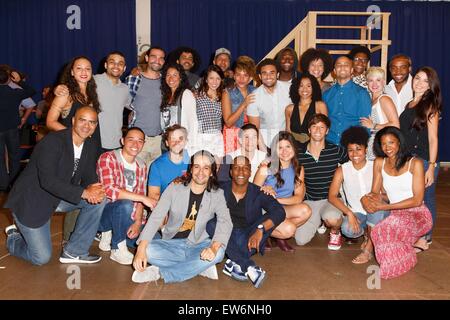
(346, 105)
(237, 98)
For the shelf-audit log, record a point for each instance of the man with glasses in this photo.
(361, 57)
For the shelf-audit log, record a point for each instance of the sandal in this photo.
(364, 257)
(419, 248)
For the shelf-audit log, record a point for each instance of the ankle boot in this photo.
(284, 245)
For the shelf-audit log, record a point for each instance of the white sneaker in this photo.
(105, 242)
(322, 229)
(210, 273)
(122, 255)
(9, 230)
(151, 273)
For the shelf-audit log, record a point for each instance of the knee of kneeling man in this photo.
(42, 258)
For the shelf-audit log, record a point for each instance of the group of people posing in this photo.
(230, 164)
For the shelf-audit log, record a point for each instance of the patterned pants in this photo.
(394, 238)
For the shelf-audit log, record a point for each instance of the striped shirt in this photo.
(319, 173)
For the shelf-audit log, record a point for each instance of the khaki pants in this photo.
(151, 149)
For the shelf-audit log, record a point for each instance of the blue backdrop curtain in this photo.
(36, 40)
(254, 27)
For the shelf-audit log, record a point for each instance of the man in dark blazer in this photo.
(254, 215)
(59, 177)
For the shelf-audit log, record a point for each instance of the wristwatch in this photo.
(261, 227)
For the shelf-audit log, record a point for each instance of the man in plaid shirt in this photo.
(124, 177)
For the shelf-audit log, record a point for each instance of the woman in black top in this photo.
(419, 123)
(306, 96)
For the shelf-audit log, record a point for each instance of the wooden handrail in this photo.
(304, 35)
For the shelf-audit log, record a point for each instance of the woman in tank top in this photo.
(283, 176)
(383, 113)
(419, 122)
(235, 101)
(307, 101)
(82, 91)
(351, 181)
(402, 178)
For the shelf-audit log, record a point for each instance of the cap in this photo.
(222, 50)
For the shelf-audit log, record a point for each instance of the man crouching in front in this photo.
(59, 177)
(185, 249)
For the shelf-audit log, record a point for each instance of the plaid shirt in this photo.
(209, 114)
(133, 83)
(110, 171)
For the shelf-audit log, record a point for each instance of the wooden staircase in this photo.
(304, 34)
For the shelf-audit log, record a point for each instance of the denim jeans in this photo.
(430, 197)
(370, 219)
(237, 247)
(179, 259)
(35, 245)
(117, 217)
(9, 139)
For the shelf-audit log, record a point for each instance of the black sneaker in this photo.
(98, 236)
(68, 258)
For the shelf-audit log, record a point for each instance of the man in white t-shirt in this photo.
(267, 111)
(248, 142)
(124, 177)
(400, 87)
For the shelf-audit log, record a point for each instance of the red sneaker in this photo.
(335, 242)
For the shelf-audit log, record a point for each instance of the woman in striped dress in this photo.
(402, 177)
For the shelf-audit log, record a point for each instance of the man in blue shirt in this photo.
(347, 102)
(169, 165)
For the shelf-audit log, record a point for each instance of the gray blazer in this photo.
(175, 200)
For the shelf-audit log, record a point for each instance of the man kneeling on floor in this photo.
(185, 249)
(251, 227)
(59, 177)
(124, 176)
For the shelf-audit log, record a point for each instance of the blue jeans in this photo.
(11, 140)
(430, 197)
(35, 245)
(179, 259)
(370, 219)
(237, 247)
(117, 217)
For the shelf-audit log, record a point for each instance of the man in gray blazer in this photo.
(185, 249)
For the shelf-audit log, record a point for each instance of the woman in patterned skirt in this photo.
(402, 177)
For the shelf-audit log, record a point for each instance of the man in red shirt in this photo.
(124, 177)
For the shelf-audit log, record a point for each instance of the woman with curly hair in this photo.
(178, 102)
(283, 176)
(306, 96)
(318, 63)
(77, 77)
(419, 123)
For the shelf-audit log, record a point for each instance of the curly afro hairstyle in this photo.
(355, 135)
(313, 54)
(359, 49)
(175, 55)
(293, 90)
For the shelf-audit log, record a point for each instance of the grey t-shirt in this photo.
(113, 98)
(147, 106)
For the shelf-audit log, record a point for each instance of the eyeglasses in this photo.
(361, 59)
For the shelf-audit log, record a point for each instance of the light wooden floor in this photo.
(312, 272)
